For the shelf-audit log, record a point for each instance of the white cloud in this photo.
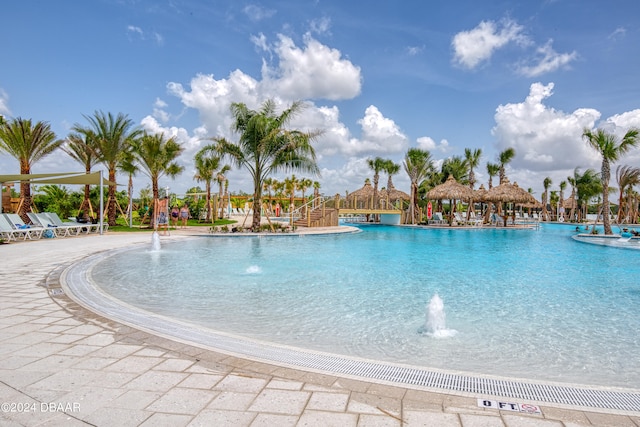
(427, 143)
(260, 41)
(544, 138)
(414, 50)
(4, 103)
(135, 30)
(475, 46)
(139, 32)
(314, 71)
(547, 60)
(258, 13)
(320, 25)
(618, 33)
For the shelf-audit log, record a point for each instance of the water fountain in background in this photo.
(155, 241)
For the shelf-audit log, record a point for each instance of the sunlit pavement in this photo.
(61, 365)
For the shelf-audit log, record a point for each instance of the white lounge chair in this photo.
(55, 219)
(44, 221)
(436, 218)
(17, 223)
(8, 232)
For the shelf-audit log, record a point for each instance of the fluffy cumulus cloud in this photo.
(312, 71)
(472, 48)
(544, 138)
(427, 143)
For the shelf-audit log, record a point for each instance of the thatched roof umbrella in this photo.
(393, 195)
(364, 194)
(451, 190)
(509, 193)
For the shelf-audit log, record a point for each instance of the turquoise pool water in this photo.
(532, 304)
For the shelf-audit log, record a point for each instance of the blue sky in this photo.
(377, 77)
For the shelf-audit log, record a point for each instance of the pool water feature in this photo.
(530, 304)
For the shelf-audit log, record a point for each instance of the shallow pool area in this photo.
(530, 304)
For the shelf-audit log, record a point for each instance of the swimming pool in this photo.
(530, 304)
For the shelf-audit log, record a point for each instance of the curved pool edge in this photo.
(77, 285)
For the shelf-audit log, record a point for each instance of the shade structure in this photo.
(362, 196)
(394, 194)
(451, 189)
(479, 194)
(509, 193)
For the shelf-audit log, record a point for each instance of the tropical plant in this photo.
(418, 164)
(610, 149)
(472, 160)
(627, 178)
(80, 148)
(156, 157)
(28, 143)
(376, 165)
(505, 158)
(266, 146)
(546, 184)
(588, 185)
(112, 137)
(222, 180)
(208, 164)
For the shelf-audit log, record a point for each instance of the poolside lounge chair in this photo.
(8, 232)
(55, 219)
(17, 223)
(436, 219)
(44, 221)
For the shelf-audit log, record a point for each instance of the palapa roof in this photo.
(569, 203)
(479, 193)
(364, 192)
(507, 192)
(451, 189)
(394, 194)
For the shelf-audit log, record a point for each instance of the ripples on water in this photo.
(524, 303)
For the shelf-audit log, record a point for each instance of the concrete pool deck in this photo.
(63, 365)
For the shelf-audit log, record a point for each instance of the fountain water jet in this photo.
(155, 241)
(436, 319)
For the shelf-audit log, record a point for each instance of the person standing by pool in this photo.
(163, 222)
(175, 213)
(184, 215)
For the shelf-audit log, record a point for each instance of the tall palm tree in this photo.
(222, 181)
(290, 187)
(266, 146)
(563, 186)
(129, 166)
(28, 143)
(504, 158)
(472, 160)
(608, 146)
(588, 185)
(80, 147)
(418, 164)
(208, 162)
(112, 136)
(156, 157)
(546, 184)
(493, 169)
(376, 165)
(316, 192)
(303, 184)
(627, 178)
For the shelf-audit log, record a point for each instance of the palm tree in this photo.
(112, 137)
(627, 178)
(303, 184)
(80, 148)
(493, 169)
(222, 179)
(207, 163)
(611, 150)
(377, 165)
(546, 184)
(563, 186)
(266, 146)
(129, 167)
(588, 185)
(316, 192)
(472, 160)
(290, 186)
(156, 157)
(28, 143)
(504, 158)
(417, 164)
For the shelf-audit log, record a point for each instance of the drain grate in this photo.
(80, 288)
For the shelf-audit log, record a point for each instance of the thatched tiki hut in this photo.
(451, 190)
(509, 193)
(362, 198)
(392, 198)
